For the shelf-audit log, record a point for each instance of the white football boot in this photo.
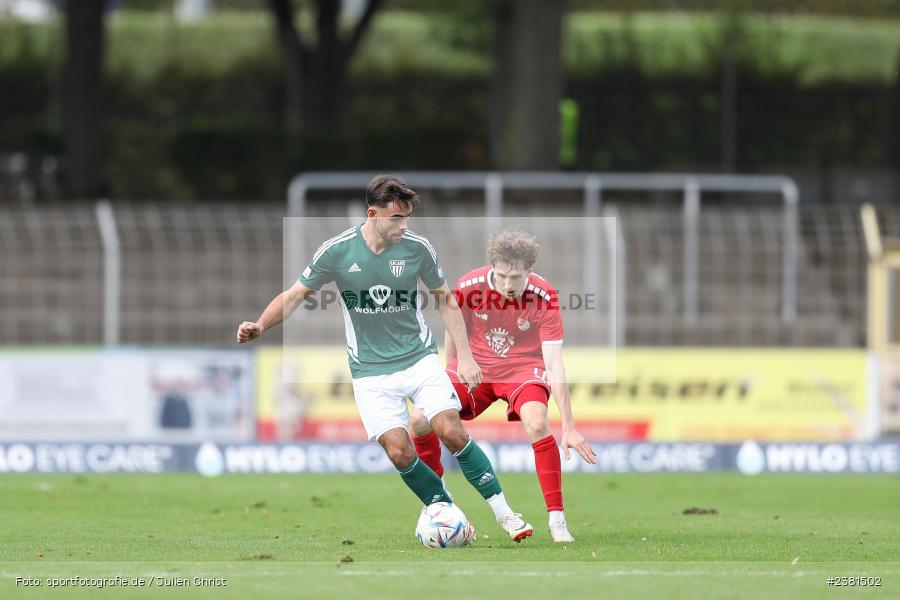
(515, 526)
(560, 532)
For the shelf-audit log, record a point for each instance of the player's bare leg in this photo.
(415, 474)
(479, 472)
(547, 465)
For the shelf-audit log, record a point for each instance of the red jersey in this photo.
(506, 335)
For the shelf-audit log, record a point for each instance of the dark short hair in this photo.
(384, 189)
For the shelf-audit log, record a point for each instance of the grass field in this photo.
(352, 536)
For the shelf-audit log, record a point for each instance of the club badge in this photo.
(397, 267)
(500, 341)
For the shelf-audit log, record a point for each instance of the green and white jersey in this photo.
(385, 327)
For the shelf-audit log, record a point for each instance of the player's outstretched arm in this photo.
(468, 371)
(278, 310)
(553, 364)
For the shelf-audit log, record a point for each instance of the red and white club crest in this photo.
(499, 340)
(523, 324)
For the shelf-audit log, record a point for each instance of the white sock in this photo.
(499, 506)
(557, 516)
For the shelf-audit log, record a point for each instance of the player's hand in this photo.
(469, 373)
(573, 439)
(248, 331)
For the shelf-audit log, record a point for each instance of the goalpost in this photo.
(592, 186)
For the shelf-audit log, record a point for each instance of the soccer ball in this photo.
(443, 525)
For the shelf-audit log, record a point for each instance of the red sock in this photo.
(428, 447)
(549, 471)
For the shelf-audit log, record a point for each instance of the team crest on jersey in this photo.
(523, 324)
(499, 340)
(397, 267)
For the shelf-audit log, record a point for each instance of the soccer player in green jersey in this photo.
(392, 352)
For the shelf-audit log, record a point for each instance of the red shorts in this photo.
(527, 385)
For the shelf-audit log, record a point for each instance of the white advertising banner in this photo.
(171, 395)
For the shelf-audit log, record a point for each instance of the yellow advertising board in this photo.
(728, 394)
(720, 394)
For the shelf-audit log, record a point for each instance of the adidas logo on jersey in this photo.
(487, 477)
(354, 268)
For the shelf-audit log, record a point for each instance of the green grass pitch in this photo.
(351, 536)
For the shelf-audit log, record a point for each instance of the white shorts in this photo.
(381, 399)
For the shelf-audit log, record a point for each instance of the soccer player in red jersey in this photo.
(515, 331)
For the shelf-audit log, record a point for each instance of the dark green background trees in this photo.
(210, 110)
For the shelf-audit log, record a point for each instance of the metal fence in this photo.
(188, 273)
(592, 187)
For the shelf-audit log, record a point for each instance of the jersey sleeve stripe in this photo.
(335, 239)
(425, 241)
(332, 242)
(324, 248)
(552, 342)
(421, 237)
(340, 235)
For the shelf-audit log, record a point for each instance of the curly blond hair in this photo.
(513, 246)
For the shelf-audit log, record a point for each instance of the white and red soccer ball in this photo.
(444, 525)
